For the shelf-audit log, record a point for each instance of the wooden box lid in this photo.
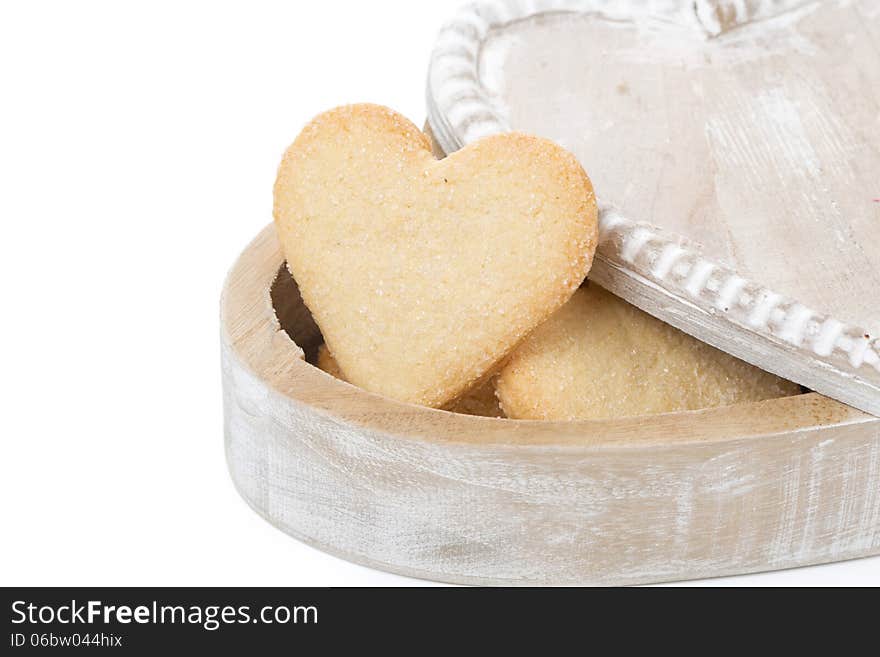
(735, 149)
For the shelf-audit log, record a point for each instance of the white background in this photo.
(138, 147)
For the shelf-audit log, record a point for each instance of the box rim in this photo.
(251, 334)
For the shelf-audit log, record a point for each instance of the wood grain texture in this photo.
(458, 498)
(745, 131)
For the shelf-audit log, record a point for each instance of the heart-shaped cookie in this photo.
(599, 357)
(424, 274)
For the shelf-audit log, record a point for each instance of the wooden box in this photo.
(467, 499)
(721, 491)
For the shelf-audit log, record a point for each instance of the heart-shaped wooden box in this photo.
(721, 491)
(467, 499)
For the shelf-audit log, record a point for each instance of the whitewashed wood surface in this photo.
(466, 499)
(747, 132)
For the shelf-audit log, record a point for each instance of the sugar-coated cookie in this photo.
(424, 274)
(600, 357)
(480, 400)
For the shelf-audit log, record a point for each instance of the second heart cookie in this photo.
(424, 274)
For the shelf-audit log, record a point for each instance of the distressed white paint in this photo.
(481, 500)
